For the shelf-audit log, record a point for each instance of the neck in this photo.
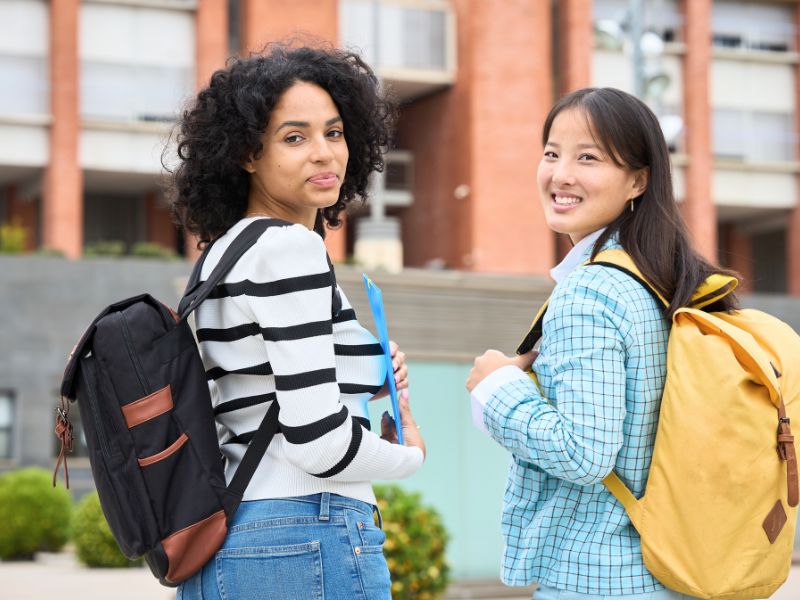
(305, 216)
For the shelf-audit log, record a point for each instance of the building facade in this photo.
(95, 86)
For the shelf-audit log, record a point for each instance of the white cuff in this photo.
(482, 392)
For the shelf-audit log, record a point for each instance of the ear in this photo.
(249, 166)
(640, 180)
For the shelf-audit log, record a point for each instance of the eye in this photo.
(335, 133)
(587, 157)
(550, 154)
(293, 138)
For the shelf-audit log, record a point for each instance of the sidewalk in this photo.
(59, 576)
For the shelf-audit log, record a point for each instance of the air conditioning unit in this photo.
(396, 184)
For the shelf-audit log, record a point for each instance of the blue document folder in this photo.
(376, 304)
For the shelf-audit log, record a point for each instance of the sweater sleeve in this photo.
(578, 436)
(293, 312)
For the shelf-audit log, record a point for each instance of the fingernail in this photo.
(404, 394)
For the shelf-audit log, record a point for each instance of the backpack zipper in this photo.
(95, 410)
(126, 334)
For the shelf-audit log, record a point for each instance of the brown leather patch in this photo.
(173, 448)
(190, 548)
(774, 522)
(148, 407)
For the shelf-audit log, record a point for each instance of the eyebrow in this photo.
(583, 146)
(328, 123)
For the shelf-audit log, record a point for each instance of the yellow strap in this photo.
(715, 287)
(621, 492)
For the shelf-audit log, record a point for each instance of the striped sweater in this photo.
(269, 332)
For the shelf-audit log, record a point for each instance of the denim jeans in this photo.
(306, 548)
(547, 593)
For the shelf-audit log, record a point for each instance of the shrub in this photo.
(13, 238)
(104, 248)
(94, 542)
(153, 250)
(415, 545)
(34, 516)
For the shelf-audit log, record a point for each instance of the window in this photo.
(754, 135)
(753, 26)
(662, 17)
(7, 416)
(136, 62)
(24, 67)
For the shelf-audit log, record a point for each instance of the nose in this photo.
(563, 173)
(320, 150)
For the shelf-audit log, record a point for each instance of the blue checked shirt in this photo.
(601, 368)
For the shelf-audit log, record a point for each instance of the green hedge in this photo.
(94, 543)
(34, 516)
(415, 545)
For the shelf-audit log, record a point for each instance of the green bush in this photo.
(94, 542)
(34, 516)
(415, 545)
(13, 238)
(153, 250)
(104, 248)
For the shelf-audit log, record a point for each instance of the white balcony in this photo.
(411, 44)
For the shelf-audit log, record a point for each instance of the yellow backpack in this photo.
(717, 519)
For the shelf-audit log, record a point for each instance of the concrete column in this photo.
(575, 44)
(211, 39)
(266, 21)
(699, 210)
(793, 227)
(62, 222)
(510, 94)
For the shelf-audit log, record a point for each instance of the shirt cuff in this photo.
(482, 393)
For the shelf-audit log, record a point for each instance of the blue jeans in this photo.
(306, 548)
(544, 592)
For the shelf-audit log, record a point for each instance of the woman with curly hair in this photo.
(291, 134)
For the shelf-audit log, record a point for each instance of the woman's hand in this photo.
(400, 372)
(491, 360)
(411, 434)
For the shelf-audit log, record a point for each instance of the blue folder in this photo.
(376, 304)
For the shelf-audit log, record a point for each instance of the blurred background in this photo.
(453, 233)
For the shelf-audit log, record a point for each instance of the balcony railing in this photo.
(410, 43)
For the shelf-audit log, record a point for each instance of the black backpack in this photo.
(146, 411)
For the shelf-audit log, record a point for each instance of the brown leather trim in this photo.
(773, 524)
(148, 407)
(190, 548)
(786, 451)
(173, 448)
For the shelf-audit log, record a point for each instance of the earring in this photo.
(631, 205)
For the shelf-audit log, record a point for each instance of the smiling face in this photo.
(304, 159)
(581, 188)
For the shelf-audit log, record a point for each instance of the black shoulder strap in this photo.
(198, 291)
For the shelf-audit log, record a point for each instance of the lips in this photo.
(324, 179)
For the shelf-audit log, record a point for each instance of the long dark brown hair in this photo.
(654, 234)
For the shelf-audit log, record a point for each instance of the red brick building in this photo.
(99, 81)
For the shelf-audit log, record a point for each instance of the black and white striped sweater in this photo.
(268, 331)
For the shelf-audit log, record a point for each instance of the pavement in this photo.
(59, 576)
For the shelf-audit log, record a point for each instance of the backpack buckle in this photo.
(65, 435)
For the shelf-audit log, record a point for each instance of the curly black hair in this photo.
(222, 129)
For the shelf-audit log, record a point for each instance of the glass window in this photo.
(754, 135)
(24, 66)
(753, 26)
(7, 417)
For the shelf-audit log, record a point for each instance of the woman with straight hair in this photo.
(292, 135)
(604, 180)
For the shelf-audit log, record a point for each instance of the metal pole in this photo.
(636, 20)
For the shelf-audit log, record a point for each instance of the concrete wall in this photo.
(441, 319)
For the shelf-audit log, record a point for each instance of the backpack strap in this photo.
(197, 290)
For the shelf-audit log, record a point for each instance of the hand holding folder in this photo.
(376, 304)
